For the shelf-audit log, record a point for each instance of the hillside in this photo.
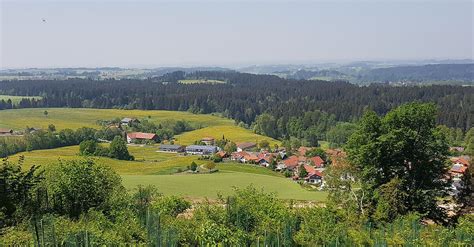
(73, 118)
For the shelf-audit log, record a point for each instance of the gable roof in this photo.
(3, 130)
(127, 119)
(245, 145)
(458, 168)
(311, 171)
(171, 146)
(141, 135)
(303, 150)
(201, 147)
(317, 161)
(291, 161)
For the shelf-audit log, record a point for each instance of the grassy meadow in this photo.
(73, 118)
(159, 169)
(16, 99)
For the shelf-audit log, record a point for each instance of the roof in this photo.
(2, 130)
(127, 119)
(221, 154)
(245, 145)
(303, 150)
(462, 161)
(141, 135)
(291, 161)
(170, 146)
(317, 161)
(207, 139)
(201, 147)
(311, 171)
(457, 168)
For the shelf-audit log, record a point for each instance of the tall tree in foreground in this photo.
(402, 154)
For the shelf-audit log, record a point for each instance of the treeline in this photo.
(429, 72)
(45, 139)
(245, 96)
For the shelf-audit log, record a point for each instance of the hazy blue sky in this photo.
(186, 33)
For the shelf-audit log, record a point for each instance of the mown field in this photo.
(16, 99)
(159, 169)
(74, 118)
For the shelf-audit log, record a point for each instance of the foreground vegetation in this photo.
(83, 203)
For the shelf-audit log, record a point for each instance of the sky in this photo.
(230, 33)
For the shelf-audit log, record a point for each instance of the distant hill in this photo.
(430, 72)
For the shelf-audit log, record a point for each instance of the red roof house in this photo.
(317, 161)
(134, 136)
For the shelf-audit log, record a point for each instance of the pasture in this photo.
(212, 185)
(73, 118)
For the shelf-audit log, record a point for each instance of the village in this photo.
(305, 165)
(295, 164)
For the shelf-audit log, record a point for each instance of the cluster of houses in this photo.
(247, 153)
(314, 166)
(459, 166)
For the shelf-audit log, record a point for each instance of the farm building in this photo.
(245, 146)
(6, 131)
(172, 148)
(127, 121)
(201, 149)
(140, 136)
(209, 141)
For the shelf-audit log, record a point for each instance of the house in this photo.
(316, 161)
(457, 149)
(172, 148)
(6, 131)
(209, 141)
(140, 136)
(302, 150)
(201, 149)
(265, 158)
(292, 162)
(314, 176)
(222, 154)
(127, 121)
(245, 157)
(245, 146)
(238, 156)
(459, 167)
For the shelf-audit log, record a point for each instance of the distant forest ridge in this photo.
(244, 96)
(365, 74)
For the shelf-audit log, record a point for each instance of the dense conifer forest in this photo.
(244, 96)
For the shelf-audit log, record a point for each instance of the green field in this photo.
(159, 169)
(74, 118)
(201, 81)
(210, 185)
(16, 99)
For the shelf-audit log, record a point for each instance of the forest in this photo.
(244, 96)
